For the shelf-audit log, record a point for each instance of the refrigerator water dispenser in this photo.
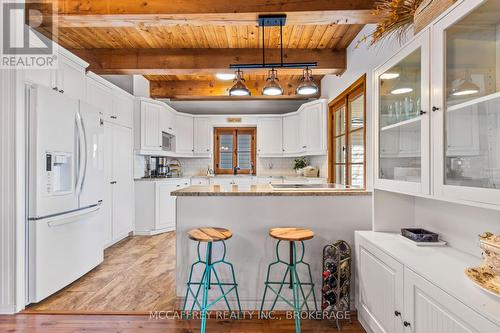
(59, 173)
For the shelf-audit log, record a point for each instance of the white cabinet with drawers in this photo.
(155, 209)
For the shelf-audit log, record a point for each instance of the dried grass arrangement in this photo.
(397, 19)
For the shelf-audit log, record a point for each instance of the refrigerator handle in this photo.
(79, 168)
(85, 152)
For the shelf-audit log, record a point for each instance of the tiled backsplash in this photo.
(265, 166)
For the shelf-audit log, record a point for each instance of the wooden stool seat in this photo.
(209, 234)
(291, 234)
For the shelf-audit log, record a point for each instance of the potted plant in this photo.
(299, 164)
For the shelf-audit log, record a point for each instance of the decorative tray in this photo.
(438, 243)
(419, 235)
(485, 279)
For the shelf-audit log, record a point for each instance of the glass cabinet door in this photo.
(468, 44)
(403, 122)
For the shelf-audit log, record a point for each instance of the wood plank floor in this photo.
(129, 324)
(138, 274)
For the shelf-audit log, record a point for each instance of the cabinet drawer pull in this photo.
(422, 112)
(435, 108)
(55, 88)
(113, 182)
(113, 117)
(397, 313)
(406, 324)
(61, 91)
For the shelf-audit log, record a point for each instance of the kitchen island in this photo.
(249, 212)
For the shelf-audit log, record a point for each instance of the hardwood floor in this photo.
(129, 324)
(137, 275)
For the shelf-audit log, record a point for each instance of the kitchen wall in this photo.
(265, 166)
(361, 58)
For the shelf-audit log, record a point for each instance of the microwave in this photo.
(167, 141)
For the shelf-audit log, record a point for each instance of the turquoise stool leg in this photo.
(205, 284)
(294, 283)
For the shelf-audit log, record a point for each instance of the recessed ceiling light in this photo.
(389, 76)
(225, 76)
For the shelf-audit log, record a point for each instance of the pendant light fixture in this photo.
(272, 87)
(307, 86)
(467, 87)
(239, 88)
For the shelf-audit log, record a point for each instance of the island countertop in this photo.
(261, 190)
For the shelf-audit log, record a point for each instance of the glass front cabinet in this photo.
(446, 80)
(402, 122)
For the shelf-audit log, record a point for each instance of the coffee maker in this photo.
(157, 167)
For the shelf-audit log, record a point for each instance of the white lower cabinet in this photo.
(430, 309)
(155, 209)
(380, 280)
(118, 204)
(391, 297)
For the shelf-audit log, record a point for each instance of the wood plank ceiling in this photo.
(180, 45)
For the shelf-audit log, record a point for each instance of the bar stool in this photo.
(291, 235)
(210, 235)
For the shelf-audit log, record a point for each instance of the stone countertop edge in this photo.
(209, 192)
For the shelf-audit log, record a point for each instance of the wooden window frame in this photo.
(234, 132)
(355, 90)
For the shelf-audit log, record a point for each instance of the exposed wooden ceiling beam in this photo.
(105, 13)
(204, 61)
(194, 89)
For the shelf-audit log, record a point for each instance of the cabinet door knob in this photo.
(113, 182)
(435, 108)
(406, 324)
(397, 313)
(422, 112)
(61, 91)
(113, 117)
(55, 88)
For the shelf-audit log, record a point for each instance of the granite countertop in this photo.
(260, 190)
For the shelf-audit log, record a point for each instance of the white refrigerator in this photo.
(65, 190)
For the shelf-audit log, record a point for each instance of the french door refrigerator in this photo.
(65, 190)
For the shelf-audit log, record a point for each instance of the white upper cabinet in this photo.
(123, 108)
(466, 100)
(202, 136)
(148, 134)
(99, 94)
(313, 128)
(68, 78)
(402, 119)
(116, 105)
(167, 120)
(291, 135)
(184, 135)
(270, 136)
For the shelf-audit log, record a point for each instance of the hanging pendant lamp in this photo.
(272, 87)
(239, 88)
(307, 86)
